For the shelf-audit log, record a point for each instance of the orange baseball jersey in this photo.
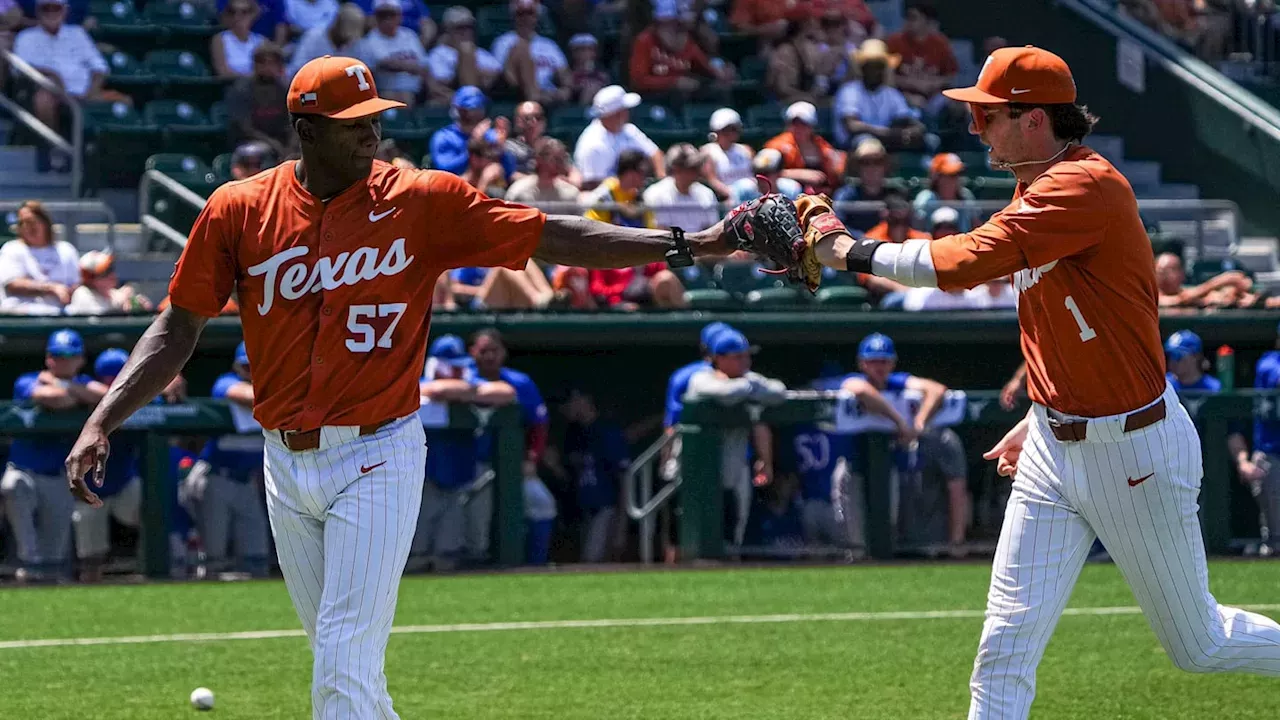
(335, 298)
(1084, 273)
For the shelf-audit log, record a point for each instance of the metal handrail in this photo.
(151, 222)
(86, 207)
(649, 503)
(74, 147)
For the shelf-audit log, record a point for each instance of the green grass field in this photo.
(862, 666)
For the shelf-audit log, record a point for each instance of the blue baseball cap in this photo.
(110, 362)
(876, 346)
(451, 350)
(1182, 344)
(469, 97)
(242, 355)
(65, 343)
(709, 332)
(729, 342)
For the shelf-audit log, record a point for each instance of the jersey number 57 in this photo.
(365, 333)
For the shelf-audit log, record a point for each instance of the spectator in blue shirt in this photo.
(121, 490)
(470, 119)
(414, 14)
(34, 484)
(490, 355)
(232, 503)
(449, 377)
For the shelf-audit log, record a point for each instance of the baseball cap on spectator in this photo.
(387, 5)
(524, 5)
(469, 97)
(1182, 344)
(457, 16)
(869, 149)
(450, 349)
(1027, 75)
(803, 111)
(767, 162)
(665, 10)
(730, 342)
(110, 362)
(324, 87)
(611, 99)
(874, 50)
(944, 216)
(709, 332)
(946, 164)
(723, 118)
(242, 355)
(254, 155)
(95, 264)
(583, 40)
(65, 343)
(876, 346)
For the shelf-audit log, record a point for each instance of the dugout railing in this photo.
(700, 498)
(154, 425)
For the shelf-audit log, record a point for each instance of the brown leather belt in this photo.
(1075, 431)
(300, 440)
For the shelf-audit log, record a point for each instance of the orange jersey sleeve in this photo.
(205, 273)
(471, 229)
(1063, 213)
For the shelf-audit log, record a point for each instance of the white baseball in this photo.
(202, 698)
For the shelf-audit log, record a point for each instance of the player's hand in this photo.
(1009, 449)
(88, 455)
(1009, 394)
(762, 475)
(1250, 472)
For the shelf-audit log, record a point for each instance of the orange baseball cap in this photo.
(336, 87)
(1021, 75)
(946, 164)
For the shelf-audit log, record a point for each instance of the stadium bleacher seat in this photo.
(776, 298)
(185, 128)
(842, 296)
(177, 164)
(710, 299)
(698, 115)
(696, 277)
(111, 14)
(567, 123)
(432, 117)
(765, 119)
(183, 15)
(222, 167)
(740, 278)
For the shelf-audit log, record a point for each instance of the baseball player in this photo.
(334, 258)
(1261, 470)
(1106, 450)
(823, 458)
(490, 356)
(38, 511)
(228, 502)
(450, 376)
(121, 491)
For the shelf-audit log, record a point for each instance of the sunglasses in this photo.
(534, 116)
(51, 9)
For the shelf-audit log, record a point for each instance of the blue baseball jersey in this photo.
(451, 457)
(1206, 383)
(122, 465)
(237, 456)
(532, 409)
(771, 529)
(1266, 433)
(39, 454)
(594, 456)
(676, 388)
(179, 520)
(894, 386)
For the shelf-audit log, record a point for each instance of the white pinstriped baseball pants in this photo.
(1065, 493)
(342, 537)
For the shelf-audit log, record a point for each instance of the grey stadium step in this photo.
(1144, 174)
(1110, 147)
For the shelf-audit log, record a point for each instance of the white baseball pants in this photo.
(343, 517)
(1136, 491)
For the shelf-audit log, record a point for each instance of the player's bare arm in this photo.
(572, 240)
(448, 390)
(241, 394)
(874, 402)
(931, 392)
(157, 358)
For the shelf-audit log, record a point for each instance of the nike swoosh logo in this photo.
(370, 468)
(1139, 481)
(375, 218)
(1015, 91)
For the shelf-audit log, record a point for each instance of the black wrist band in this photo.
(858, 259)
(681, 255)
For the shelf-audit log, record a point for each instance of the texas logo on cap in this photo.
(1027, 75)
(341, 88)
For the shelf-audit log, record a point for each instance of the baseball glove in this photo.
(775, 229)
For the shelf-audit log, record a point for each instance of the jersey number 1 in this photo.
(1086, 333)
(365, 332)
